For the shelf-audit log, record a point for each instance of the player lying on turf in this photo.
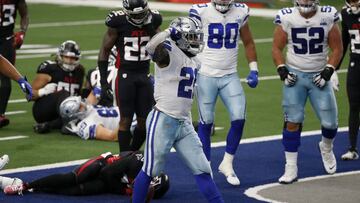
(106, 173)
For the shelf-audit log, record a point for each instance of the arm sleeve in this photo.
(155, 41)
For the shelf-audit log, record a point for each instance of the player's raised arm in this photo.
(157, 50)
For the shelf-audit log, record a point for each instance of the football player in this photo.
(91, 122)
(308, 30)
(9, 41)
(130, 29)
(351, 35)
(54, 82)
(106, 173)
(169, 123)
(224, 23)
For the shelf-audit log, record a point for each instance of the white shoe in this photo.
(328, 158)
(229, 173)
(290, 175)
(4, 160)
(350, 155)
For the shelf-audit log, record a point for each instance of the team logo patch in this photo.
(323, 22)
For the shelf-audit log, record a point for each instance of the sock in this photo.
(141, 186)
(234, 136)
(124, 139)
(208, 188)
(291, 140)
(138, 139)
(291, 158)
(204, 131)
(228, 158)
(328, 136)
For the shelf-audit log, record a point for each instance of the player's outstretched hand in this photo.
(26, 88)
(252, 79)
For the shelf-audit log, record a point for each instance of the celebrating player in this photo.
(224, 22)
(308, 30)
(169, 123)
(129, 30)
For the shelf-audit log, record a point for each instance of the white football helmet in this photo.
(354, 6)
(192, 36)
(222, 5)
(74, 107)
(306, 6)
(68, 49)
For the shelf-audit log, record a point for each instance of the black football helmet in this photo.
(71, 49)
(137, 11)
(161, 185)
(354, 6)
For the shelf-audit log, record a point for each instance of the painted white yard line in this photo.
(13, 138)
(14, 112)
(213, 145)
(154, 5)
(78, 23)
(14, 101)
(253, 191)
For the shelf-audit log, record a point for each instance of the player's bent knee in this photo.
(292, 127)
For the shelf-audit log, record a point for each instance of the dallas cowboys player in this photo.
(169, 123)
(308, 30)
(224, 23)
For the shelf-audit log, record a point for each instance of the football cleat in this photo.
(4, 121)
(290, 175)
(328, 158)
(14, 189)
(350, 155)
(229, 173)
(4, 160)
(42, 128)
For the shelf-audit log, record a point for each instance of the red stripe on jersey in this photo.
(117, 90)
(83, 167)
(118, 59)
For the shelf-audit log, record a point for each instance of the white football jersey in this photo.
(174, 84)
(307, 43)
(112, 74)
(221, 36)
(109, 117)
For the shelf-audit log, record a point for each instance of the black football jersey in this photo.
(69, 81)
(351, 32)
(131, 41)
(8, 10)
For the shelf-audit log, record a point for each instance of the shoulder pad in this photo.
(45, 65)
(114, 18)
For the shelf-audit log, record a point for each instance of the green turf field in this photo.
(264, 114)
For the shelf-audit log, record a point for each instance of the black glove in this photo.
(289, 78)
(107, 95)
(321, 78)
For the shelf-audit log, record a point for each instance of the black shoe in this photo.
(4, 121)
(42, 128)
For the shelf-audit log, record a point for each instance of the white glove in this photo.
(48, 89)
(335, 81)
(291, 79)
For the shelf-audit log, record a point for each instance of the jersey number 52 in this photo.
(308, 41)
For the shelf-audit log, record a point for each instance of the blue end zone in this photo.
(255, 164)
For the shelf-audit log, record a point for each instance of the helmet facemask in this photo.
(74, 107)
(354, 6)
(192, 36)
(306, 6)
(222, 5)
(68, 55)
